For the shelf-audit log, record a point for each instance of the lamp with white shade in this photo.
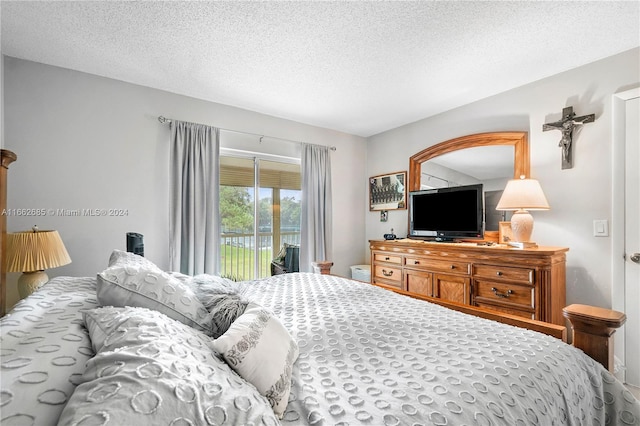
(31, 252)
(522, 195)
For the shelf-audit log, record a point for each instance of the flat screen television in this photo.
(447, 214)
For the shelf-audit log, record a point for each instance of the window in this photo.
(253, 229)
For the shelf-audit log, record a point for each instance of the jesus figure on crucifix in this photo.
(566, 125)
(565, 142)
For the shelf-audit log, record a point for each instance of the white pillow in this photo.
(141, 286)
(152, 370)
(261, 350)
(124, 258)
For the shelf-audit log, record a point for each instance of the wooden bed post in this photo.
(7, 158)
(593, 330)
(322, 266)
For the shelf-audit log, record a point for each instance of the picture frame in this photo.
(388, 191)
(505, 234)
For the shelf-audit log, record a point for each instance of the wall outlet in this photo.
(601, 228)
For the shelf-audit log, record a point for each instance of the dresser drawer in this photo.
(527, 283)
(387, 273)
(387, 258)
(522, 275)
(508, 294)
(438, 265)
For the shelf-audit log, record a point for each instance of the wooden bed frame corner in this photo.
(322, 266)
(593, 330)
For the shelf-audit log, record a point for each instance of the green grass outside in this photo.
(237, 262)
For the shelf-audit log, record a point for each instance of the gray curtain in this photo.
(194, 237)
(316, 222)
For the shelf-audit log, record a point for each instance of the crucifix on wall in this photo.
(566, 125)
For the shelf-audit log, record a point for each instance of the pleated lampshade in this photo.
(31, 252)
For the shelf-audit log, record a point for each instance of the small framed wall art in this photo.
(388, 192)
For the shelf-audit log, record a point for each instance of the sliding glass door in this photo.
(259, 212)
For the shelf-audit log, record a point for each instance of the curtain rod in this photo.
(165, 120)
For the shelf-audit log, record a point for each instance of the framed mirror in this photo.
(482, 164)
(518, 140)
(488, 158)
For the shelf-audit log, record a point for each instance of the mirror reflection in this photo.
(492, 166)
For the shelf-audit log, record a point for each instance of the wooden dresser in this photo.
(528, 283)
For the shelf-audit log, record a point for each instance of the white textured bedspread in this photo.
(44, 347)
(367, 357)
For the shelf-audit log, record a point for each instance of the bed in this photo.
(332, 351)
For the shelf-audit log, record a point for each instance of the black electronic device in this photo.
(447, 214)
(135, 243)
(390, 236)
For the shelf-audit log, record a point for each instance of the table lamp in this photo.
(31, 252)
(522, 195)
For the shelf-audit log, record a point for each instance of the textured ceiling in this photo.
(357, 67)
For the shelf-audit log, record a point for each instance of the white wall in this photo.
(577, 196)
(87, 142)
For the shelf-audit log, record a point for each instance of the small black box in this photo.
(135, 243)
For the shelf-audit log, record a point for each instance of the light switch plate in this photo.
(601, 228)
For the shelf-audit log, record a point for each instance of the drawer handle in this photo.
(387, 274)
(503, 295)
(387, 258)
(452, 267)
(416, 262)
(499, 273)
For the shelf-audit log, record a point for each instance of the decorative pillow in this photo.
(186, 279)
(261, 350)
(136, 285)
(223, 298)
(152, 370)
(124, 258)
(204, 286)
